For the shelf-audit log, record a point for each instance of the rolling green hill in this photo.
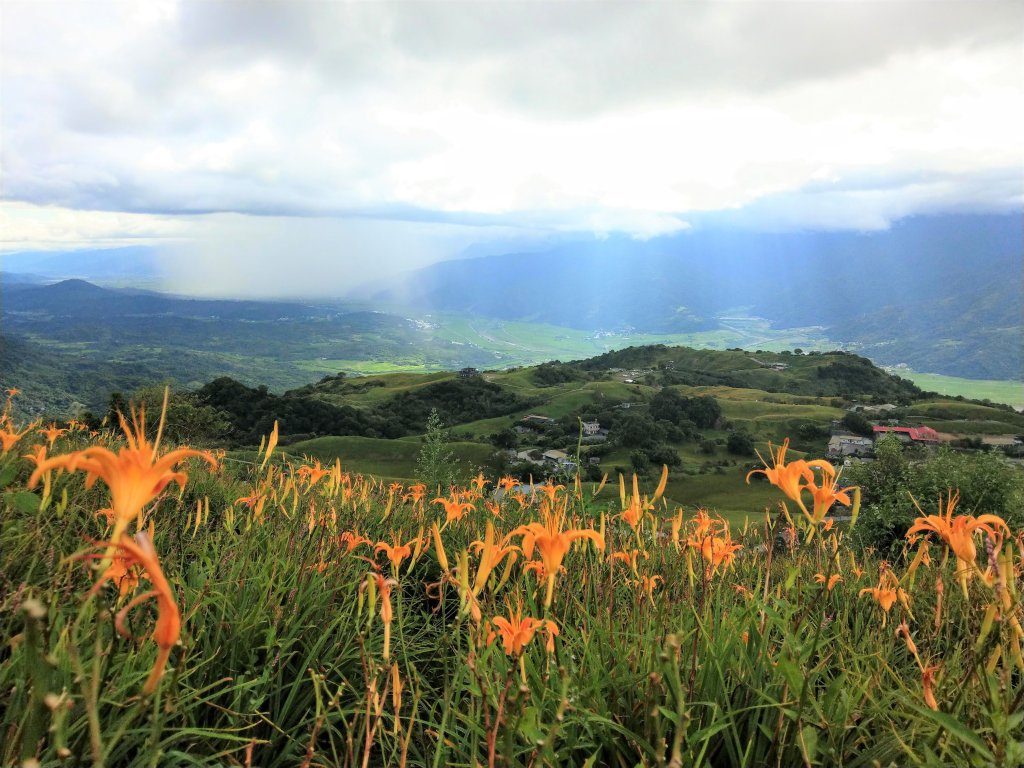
(703, 412)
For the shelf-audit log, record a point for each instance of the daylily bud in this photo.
(986, 626)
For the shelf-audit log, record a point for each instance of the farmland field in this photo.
(1009, 392)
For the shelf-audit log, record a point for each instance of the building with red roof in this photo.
(924, 435)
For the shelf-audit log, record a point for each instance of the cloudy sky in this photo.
(371, 136)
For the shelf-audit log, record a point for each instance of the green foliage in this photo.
(253, 412)
(435, 465)
(188, 421)
(740, 443)
(557, 372)
(639, 461)
(669, 405)
(456, 401)
(857, 374)
(637, 430)
(892, 482)
(858, 424)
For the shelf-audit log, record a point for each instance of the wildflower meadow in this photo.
(166, 606)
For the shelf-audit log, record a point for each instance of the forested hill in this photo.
(398, 405)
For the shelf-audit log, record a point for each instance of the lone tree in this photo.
(435, 464)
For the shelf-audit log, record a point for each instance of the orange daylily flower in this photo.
(630, 558)
(122, 573)
(454, 509)
(38, 457)
(702, 523)
(536, 567)
(141, 554)
(958, 532)
(352, 539)
(517, 631)
(135, 475)
(550, 490)
(250, 501)
(885, 596)
(416, 493)
(834, 579)
(798, 476)
(826, 494)
(887, 593)
(786, 477)
(634, 513)
(9, 438)
(52, 433)
(507, 483)
(553, 543)
(717, 550)
(396, 552)
(312, 474)
(647, 584)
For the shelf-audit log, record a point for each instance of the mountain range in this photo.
(940, 294)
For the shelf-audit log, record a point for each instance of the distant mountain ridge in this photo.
(942, 293)
(135, 262)
(79, 298)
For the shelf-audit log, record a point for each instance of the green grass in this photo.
(955, 410)
(1009, 392)
(727, 495)
(363, 367)
(391, 458)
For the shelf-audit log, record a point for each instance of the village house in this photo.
(556, 457)
(591, 428)
(468, 373)
(840, 446)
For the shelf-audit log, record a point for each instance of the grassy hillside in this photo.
(393, 459)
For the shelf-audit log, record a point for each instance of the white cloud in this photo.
(551, 116)
(26, 227)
